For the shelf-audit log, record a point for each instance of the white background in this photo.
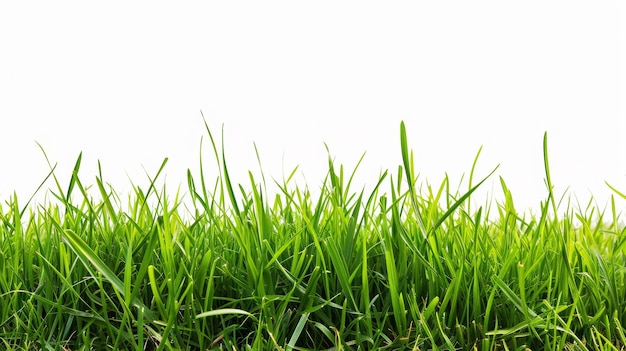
(125, 83)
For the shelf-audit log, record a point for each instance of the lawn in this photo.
(400, 266)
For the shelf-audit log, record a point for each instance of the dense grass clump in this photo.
(401, 268)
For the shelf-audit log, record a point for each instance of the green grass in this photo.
(397, 267)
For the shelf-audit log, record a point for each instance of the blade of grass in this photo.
(88, 257)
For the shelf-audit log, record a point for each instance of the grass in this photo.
(399, 267)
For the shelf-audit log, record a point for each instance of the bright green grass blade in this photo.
(153, 180)
(408, 167)
(621, 194)
(340, 268)
(546, 164)
(297, 331)
(50, 174)
(74, 177)
(88, 257)
(409, 176)
(395, 287)
(229, 186)
(128, 271)
(106, 199)
(460, 201)
(61, 197)
(471, 175)
(154, 286)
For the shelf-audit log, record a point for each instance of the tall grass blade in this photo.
(88, 257)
